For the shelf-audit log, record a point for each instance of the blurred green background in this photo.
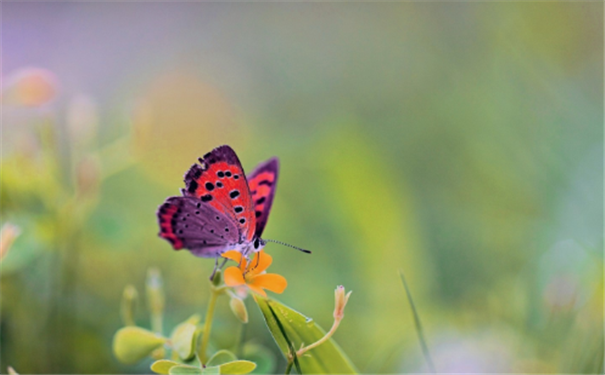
(461, 143)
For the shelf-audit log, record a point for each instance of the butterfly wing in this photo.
(262, 182)
(220, 182)
(187, 222)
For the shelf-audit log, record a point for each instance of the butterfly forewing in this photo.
(262, 182)
(186, 222)
(220, 182)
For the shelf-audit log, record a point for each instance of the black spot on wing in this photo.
(192, 186)
(206, 198)
(234, 194)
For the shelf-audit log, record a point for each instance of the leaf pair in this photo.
(222, 362)
(132, 344)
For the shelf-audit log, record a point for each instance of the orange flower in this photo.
(253, 274)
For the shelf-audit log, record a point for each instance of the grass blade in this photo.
(425, 349)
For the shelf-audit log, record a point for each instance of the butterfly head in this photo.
(258, 244)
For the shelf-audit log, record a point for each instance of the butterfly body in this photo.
(220, 208)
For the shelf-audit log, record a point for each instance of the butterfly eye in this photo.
(256, 243)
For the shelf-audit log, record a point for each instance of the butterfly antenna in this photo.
(286, 244)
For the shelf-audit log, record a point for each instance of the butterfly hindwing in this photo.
(186, 222)
(262, 182)
(220, 182)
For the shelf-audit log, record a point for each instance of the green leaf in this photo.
(132, 344)
(212, 370)
(328, 358)
(193, 361)
(163, 366)
(185, 370)
(237, 367)
(184, 337)
(263, 357)
(220, 357)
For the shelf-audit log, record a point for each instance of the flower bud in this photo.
(129, 299)
(82, 121)
(239, 309)
(340, 299)
(30, 87)
(155, 298)
(7, 236)
(216, 280)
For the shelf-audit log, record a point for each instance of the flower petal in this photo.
(233, 276)
(257, 289)
(259, 263)
(235, 256)
(270, 281)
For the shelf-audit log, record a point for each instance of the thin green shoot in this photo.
(419, 331)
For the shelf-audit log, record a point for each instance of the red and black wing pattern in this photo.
(187, 222)
(262, 182)
(219, 181)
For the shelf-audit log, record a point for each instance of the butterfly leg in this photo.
(215, 268)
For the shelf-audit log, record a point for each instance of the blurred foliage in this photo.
(184, 351)
(459, 142)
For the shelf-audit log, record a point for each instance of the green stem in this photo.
(289, 367)
(241, 332)
(208, 323)
(156, 323)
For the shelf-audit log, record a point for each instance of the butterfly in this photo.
(220, 208)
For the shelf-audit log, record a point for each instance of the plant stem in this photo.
(321, 340)
(289, 367)
(239, 343)
(215, 292)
